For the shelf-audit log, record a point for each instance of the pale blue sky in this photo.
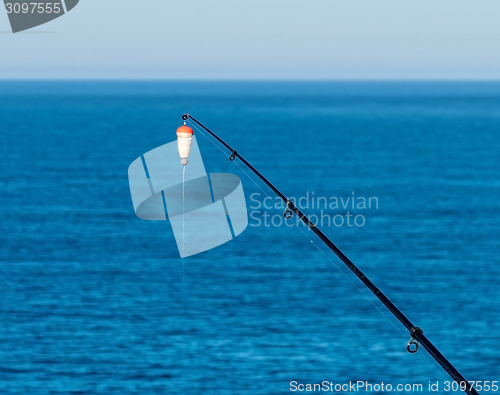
(286, 39)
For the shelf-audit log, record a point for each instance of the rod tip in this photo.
(185, 117)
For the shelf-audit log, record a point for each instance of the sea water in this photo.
(92, 296)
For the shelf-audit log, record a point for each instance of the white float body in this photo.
(184, 141)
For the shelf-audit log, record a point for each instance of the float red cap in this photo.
(185, 129)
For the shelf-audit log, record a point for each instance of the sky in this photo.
(272, 39)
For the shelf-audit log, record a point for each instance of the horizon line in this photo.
(112, 79)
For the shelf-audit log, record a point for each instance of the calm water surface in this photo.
(96, 301)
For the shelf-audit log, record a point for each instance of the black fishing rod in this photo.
(416, 334)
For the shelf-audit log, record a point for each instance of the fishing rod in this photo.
(416, 334)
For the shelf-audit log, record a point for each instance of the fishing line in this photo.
(328, 257)
(417, 335)
(335, 264)
(183, 260)
(297, 224)
(183, 238)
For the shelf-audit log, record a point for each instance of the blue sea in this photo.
(97, 301)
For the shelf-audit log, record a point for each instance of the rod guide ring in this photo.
(288, 212)
(413, 344)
